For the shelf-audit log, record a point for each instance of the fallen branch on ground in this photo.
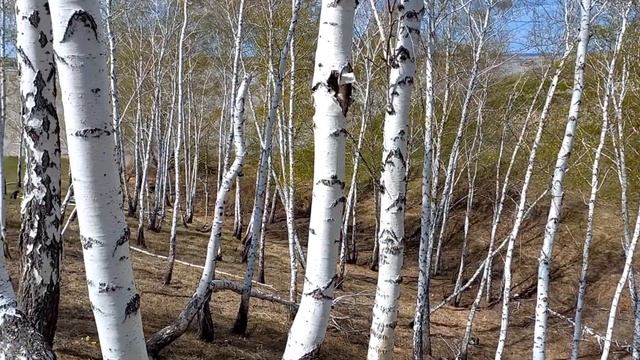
(589, 331)
(218, 272)
(258, 294)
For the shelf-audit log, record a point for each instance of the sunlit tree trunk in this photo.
(104, 233)
(422, 321)
(393, 180)
(240, 324)
(178, 140)
(332, 87)
(115, 101)
(237, 221)
(557, 192)
(595, 173)
(167, 335)
(40, 239)
(521, 208)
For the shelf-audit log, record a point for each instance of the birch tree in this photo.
(240, 324)
(40, 239)
(595, 174)
(522, 202)
(422, 321)
(332, 87)
(178, 140)
(82, 65)
(557, 192)
(393, 180)
(203, 291)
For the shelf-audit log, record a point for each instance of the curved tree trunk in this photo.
(82, 65)
(202, 294)
(332, 87)
(40, 239)
(595, 181)
(240, 324)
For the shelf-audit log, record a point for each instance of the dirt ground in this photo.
(347, 336)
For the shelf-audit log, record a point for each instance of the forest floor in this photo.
(348, 332)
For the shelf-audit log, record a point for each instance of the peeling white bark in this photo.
(40, 238)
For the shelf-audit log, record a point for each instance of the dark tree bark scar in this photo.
(34, 19)
(91, 133)
(132, 307)
(89, 242)
(80, 16)
(122, 240)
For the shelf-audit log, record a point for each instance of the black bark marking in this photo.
(338, 132)
(34, 19)
(319, 292)
(132, 307)
(25, 59)
(59, 59)
(96, 309)
(340, 200)
(89, 242)
(398, 203)
(42, 39)
(80, 16)
(122, 240)
(333, 180)
(401, 55)
(91, 133)
(342, 93)
(397, 154)
(104, 288)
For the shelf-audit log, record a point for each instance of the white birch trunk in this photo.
(485, 276)
(332, 94)
(82, 65)
(393, 181)
(240, 324)
(176, 151)
(40, 239)
(422, 321)
(619, 287)
(443, 208)
(521, 208)
(167, 335)
(557, 192)
(237, 222)
(595, 172)
(115, 102)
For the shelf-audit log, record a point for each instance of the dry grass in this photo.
(347, 336)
